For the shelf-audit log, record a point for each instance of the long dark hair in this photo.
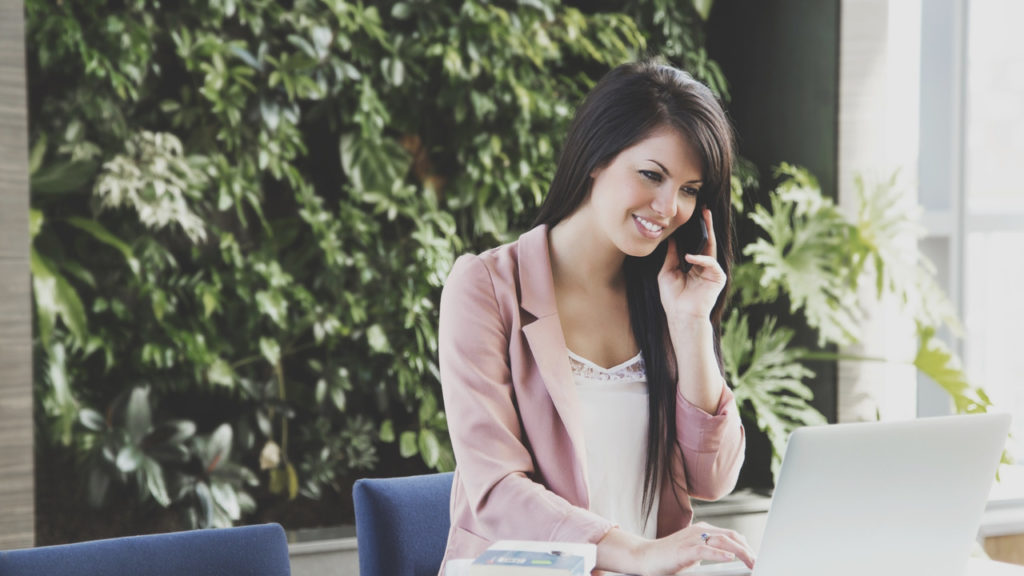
(628, 104)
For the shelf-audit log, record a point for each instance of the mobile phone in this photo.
(691, 239)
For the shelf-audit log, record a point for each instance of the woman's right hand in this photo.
(689, 546)
(626, 553)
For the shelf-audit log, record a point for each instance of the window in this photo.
(971, 146)
(993, 261)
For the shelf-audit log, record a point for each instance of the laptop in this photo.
(879, 498)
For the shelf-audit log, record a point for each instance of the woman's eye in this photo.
(690, 191)
(650, 175)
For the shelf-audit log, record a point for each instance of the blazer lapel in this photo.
(547, 342)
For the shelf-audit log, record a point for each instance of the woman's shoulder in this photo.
(498, 275)
(501, 261)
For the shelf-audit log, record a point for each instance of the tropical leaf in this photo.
(154, 482)
(64, 177)
(99, 232)
(55, 298)
(889, 229)
(59, 400)
(138, 416)
(407, 444)
(938, 362)
(805, 255)
(429, 447)
(217, 447)
(768, 380)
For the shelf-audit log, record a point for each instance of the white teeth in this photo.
(649, 225)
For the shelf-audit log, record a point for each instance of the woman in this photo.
(550, 444)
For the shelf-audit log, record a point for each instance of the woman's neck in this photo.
(584, 259)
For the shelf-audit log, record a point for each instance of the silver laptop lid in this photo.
(882, 498)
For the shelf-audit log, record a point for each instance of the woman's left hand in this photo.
(687, 296)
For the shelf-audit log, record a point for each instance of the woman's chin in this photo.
(640, 250)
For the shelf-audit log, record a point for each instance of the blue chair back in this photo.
(243, 551)
(402, 524)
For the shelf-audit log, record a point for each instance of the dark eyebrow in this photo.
(667, 173)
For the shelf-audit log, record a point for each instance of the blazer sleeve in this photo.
(713, 446)
(496, 467)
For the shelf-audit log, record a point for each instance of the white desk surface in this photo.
(975, 567)
(979, 567)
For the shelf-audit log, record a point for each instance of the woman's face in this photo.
(647, 191)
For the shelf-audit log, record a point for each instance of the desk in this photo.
(979, 567)
(975, 567)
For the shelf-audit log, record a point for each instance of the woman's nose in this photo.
(664, 203)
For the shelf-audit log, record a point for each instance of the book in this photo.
(585, 549)
(527, 563)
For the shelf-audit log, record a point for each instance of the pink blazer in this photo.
(515, 421)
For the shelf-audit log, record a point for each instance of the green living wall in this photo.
(242, 216)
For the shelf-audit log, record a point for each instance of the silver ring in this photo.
(705, 537)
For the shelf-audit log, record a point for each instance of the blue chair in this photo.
(402, 524)
(243, 551)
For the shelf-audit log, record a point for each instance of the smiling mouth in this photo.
(648, 225)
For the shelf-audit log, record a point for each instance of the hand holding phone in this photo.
(701, 243)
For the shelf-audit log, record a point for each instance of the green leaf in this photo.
(428, 408)
(273, 305)
(173, 431)
(245, 56)
(99, 232)
(387, 431)
(407, 444)
(138, 419)
(210, 303)
(35, 222)
(221, 373)
(55, 298)
(129, 458)
(377, 339)
(936, 361)
(320, 392)
(271, 114)
(338, 397)
(207, 516)
(278, 480)
(703, 8)
(303, 45)
(270, 350)
(394, 70)
(430, 447)
(155, 484)
(92, 419)
(322, 37)
(401, 11)
(225, 497)
(767, 379)
(263, 422)
(35, 159)
(59, 401)
(64, 177)
(44, 291)
(219, 448)
(293, 481)
(807, 253)
(71, 309)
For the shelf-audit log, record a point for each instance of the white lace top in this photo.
(615, 419)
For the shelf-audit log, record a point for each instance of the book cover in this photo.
(585, 549)
(526, 563)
